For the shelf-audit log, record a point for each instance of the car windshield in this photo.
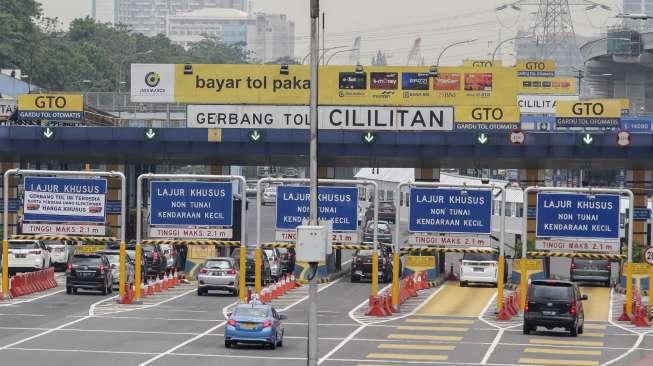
(251, 312)
(590, 263)
(222, 264)
(383, 227)
(249, 254)
(386, 206)
(23, 245)
(50, 243)
(148, 248)
(114, 258)
(269, 253)
(367, 253)
(86, 261)
(551, 292)
(480, 257)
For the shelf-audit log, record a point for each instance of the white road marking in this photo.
(212, 329)
(493, 346)
(25, 301)
(365, 325)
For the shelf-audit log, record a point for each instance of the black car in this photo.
(591, 270)
(287, 260)
(89, 272)
(387, 212)
(384, 234)
(361, 267)
(250, 266)
(554, 304)
(156, 261)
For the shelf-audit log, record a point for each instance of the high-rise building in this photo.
(149, 17)
(638, 7)
(228, 25)
(272, 38)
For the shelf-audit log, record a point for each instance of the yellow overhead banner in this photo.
(487, 117)
(594, 108)
(51, 102)
(535, 68)
(482, 63)
(589, 113)
(343, 85)
(547, 85)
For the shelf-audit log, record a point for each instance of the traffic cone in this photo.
(374, 307)
(157, 285)
(504, 314)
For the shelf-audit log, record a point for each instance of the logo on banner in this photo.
(623, 138)
(152, 79)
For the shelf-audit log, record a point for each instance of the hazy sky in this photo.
(393, 25)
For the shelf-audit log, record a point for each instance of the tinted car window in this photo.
(24, 245)
(269, 252)
(249, 254)
(588, 262)
(386, 205)
(480, 257)
(367, 253)
(87, 261)
(253, 312)
(383, 227)
(551, 292)
(222, 264)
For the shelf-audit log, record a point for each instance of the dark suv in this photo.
(554, 304)
(250, 266)
(155, 260)
(89, 272)
(361, 265)
(591, 270)
(387, 212)
(384, 235)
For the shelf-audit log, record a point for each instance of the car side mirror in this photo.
(282, 317)
(584, 297)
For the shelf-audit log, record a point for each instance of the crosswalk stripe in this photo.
(565, 342)
(425, 337)
(434, 329)
(407, 357)
(584, 352)
(546, 361)
(439, 321)
(592, 335)
(430, 347)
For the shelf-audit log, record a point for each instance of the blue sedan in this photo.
(254, 324)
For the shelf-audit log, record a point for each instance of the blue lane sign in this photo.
(49, 199)
(569, 215)
(339, 204)
(440, 210)
(636, 124)
(191, 203)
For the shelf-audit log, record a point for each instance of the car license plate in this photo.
(478, 269)
(548, 312)
(248, 325)
(21, 255)
(87, 274)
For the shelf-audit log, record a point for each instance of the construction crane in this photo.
(415, 57)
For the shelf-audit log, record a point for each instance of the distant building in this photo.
(229, 25)
(267, 36)
(149, 17)
(638, 7)
(104, 11)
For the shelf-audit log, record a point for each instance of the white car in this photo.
(275, 262)
(269, 196)
(479, 268)
(28, 255)
(60, 251)
(168, 252)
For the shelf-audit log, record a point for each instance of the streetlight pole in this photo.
(337, 52)
(119, 79)
(506, 41)
(324, 51)
(313, 218)
(437, 62)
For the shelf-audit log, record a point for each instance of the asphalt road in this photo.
(448, 325)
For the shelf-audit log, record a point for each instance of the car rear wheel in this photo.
(527, 328)
(354, 279)
(227, 344)
(200, 292)
(69, 290)
(463, 283)
(580, 329)
(273, 344)
(573, 330)
(607, 283)
(104, 289)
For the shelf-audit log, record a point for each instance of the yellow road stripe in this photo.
(554, 351)
(545, 361)
(407, 357)
(453, 300)
(595, 326)
(430, 347)
(433, 329)
(565, 342)
(592, 335)
(425, 337)
(598, 303)
(440, 321)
